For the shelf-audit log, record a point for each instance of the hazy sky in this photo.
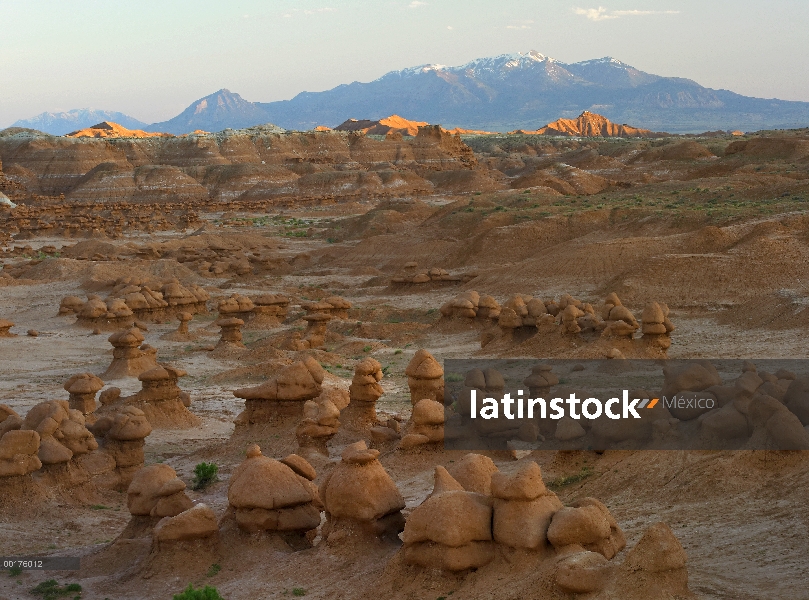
(151, 58)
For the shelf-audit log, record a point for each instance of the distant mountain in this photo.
(105, 129)
(220, 110)
(500, 93)
(588, 125)
(73, 120)
(527, 90)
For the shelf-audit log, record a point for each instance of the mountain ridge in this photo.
(522, 90)
(64, 122)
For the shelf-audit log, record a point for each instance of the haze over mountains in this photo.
(60, 123)
(501, 93)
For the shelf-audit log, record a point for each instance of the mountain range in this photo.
(524, 90)
(61, 123)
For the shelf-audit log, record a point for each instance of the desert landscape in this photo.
(222, 359)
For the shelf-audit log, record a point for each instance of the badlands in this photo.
(280, 304)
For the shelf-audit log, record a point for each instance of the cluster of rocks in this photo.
(321, 421)
(475, 509)
(263, 312)
(760, 409)
(334, 306)
(471, 305)
(157, 501)
(522, 316)
(413, 274)
(56, 442)
(130, 301)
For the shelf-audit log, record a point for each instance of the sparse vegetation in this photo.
(215, 568)
(565, 480)
(204, 475)
(51, 590)
(206, 593)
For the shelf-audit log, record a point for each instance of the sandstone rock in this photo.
(198, 521)
(450, 530)
(18, 452)
(157, 491)
(5, 326)
(426, 425)
(568, 429)
(474, 473)
(62, 431)
(129, 357)
(582, 526)
(230, 336)
(364, 391)
(82, 389)
(657, 551)
(359, 492)
(283, 396)
(268, 495)
(583, 572)
(425, 377)
(541, 380)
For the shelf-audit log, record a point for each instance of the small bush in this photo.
(51, 590)
(215, 568)
(298, 592)
(204, 475)
(366, 349)
(206, 593)
(14, 571)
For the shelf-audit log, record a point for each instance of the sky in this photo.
(150, 59)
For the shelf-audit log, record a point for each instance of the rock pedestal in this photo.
(129, 358)
(281, 399)
(364, 391)
(360, 498)
(425, 377)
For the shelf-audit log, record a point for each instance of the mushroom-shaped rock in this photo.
(70, 305)
(122, 437)
(425, 377)
(230, 332)
(360, 495)
(82, 389)
(284, 395)
(339, 306)
(157, 491)
(316, 326)
(129, 357)
(364, 391)
(426, 425)
(540, 381)
(197, 522)
(451, 529)
(319, 424)
(160, 398)
(268, 495)
(523, 508)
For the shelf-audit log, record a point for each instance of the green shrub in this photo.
(206, 593)
(205, 475)
(51, 590)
